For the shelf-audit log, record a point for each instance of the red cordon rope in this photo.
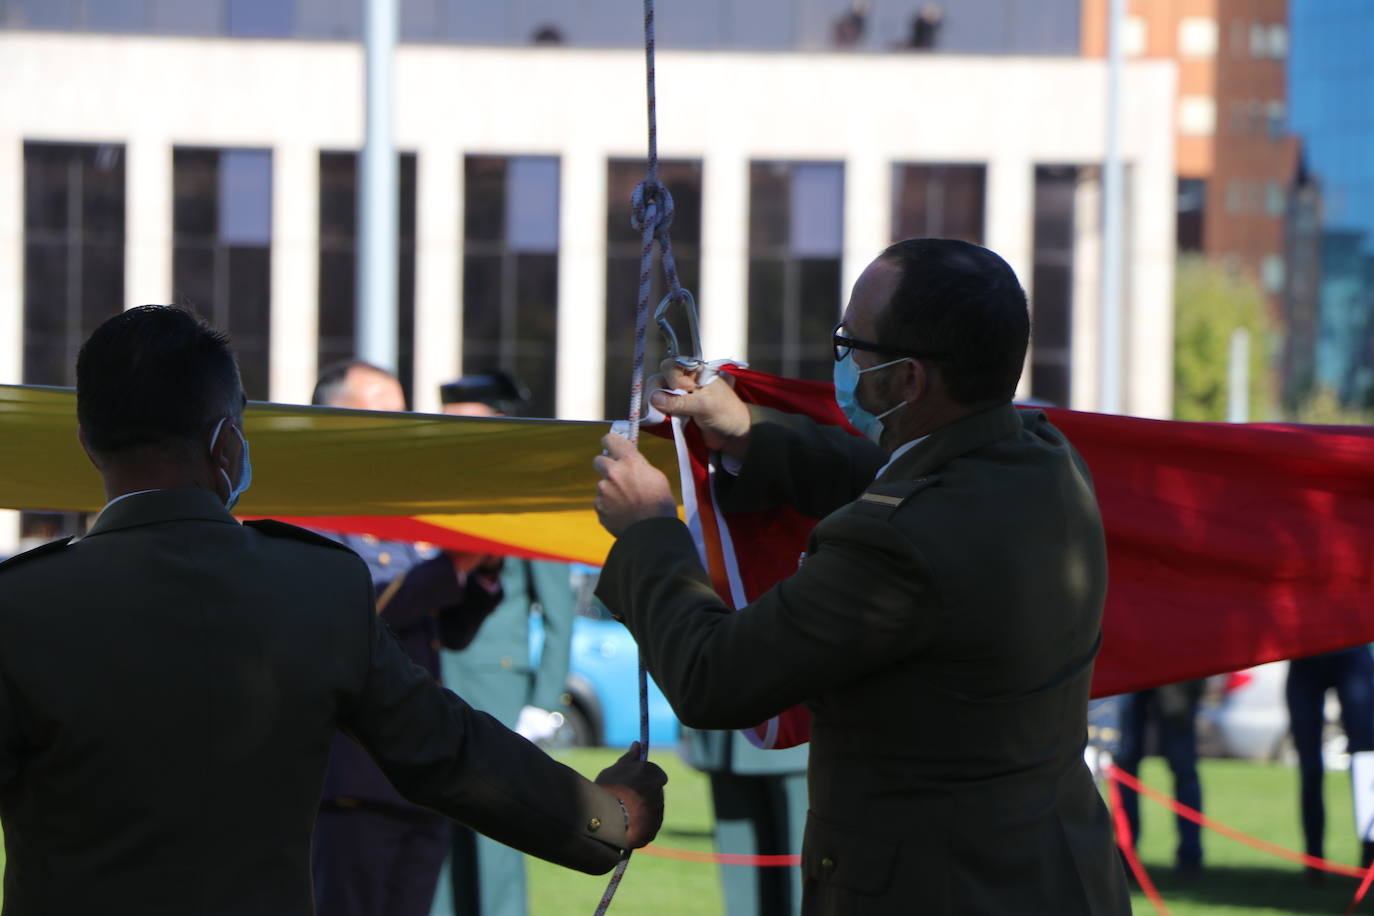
(1116, 778)
(720, 858)
(1123, 839)
(1117, 775)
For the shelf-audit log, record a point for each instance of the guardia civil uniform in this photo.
(758, 797)
(941, 629)
(169, 685)
(500, 672)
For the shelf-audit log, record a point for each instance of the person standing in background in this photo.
(1173, 709)
(502, 673)
(376, 854)
(759, 799)
(1350, 672)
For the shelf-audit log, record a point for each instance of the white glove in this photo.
(537, 724)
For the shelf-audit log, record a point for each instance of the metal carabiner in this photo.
(688, 357)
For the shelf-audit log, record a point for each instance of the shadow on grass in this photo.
(1246, 888)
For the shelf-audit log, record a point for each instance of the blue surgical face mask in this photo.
(846, 395)
(245, 467)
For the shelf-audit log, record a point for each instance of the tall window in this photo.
(222, 248)
(796, 240)
(73, 271)
(510, 271)
(938, 201)
(1052, 283)
(338, 300)
(624, 245)
(1192, 213)
(73, 252)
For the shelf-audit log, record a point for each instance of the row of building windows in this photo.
(74, 219)
(1197, 38)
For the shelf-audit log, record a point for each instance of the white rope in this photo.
(651, 212)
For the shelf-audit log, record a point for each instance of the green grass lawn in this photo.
(1258, 799)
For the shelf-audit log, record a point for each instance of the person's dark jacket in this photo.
(941, 629)
(169, 685)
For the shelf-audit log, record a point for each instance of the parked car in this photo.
(1248, 717)
(603, 680)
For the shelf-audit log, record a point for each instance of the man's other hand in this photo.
(715, 408)
(639, 786)
(631, 489)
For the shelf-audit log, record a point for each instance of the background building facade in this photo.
(221, 172)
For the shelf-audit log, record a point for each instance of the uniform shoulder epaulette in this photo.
(893, 494)
(39, 551)
(275, 529)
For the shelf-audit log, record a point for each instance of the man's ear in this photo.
(221, 454)
(916, 380)
(86, 447)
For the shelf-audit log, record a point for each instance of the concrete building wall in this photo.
(585, 106)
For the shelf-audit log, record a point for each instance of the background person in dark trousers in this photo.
(759, 799)
(502, 673)
(170, 683)
(376, 854)
(1350, 673)
(1172, 709)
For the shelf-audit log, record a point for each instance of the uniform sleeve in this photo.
(862, 600)
(441, 753)
(433, 588)
(406, 599)
(794, 461)
(558, 607)
(460, 621)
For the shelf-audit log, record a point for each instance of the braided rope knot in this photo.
(651, 205)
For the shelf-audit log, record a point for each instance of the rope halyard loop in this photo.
(651, 204)
(651, 212)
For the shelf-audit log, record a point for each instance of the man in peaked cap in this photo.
(499, 674)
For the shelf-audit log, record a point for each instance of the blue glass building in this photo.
(1331, 98)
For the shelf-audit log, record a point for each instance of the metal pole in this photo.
(376, 339)
(1110, 348)
(1238, 378)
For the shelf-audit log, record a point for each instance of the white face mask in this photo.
(245, 466)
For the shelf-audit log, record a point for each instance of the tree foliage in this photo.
(1210, 304)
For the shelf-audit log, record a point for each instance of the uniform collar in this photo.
(949, 442)
(152, 506)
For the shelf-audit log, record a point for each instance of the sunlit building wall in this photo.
(221, 172)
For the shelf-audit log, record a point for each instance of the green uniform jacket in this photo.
(169, 685)
(941, 628)
(496, 672)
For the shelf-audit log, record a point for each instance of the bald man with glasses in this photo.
(943, 622)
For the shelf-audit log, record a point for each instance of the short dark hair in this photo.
(963, 302)
(154, 375)
(334, 378)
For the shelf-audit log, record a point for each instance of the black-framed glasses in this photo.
(844, 345)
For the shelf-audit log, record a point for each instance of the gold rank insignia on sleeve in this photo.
(881, 500)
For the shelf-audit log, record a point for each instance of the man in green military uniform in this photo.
(759, 800)
(942, 625)
(501, 674)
